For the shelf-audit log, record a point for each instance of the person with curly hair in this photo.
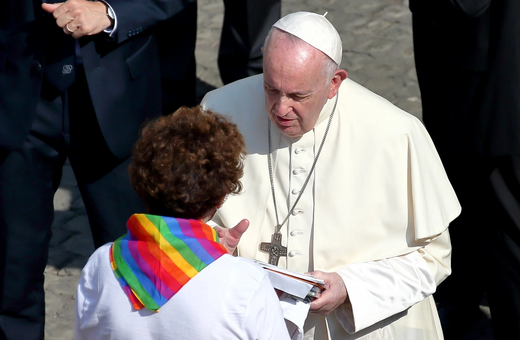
(184, 165)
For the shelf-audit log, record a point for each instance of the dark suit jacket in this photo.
(468, 57)
(123, 73)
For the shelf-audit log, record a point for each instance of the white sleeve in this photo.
(265, 319)
(80, 301)
(86, 286)
(380, 289)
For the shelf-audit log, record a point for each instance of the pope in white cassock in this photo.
(340, 183)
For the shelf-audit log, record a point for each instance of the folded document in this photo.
(295, 291)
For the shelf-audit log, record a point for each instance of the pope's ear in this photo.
(336, 81)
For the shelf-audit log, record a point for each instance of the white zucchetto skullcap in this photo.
(315, 30)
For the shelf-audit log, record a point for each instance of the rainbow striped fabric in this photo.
(159, 255)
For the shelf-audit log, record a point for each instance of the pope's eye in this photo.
(271, 90)
(298, 98)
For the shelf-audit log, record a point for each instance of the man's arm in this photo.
(134, 17)
(380, 289)
(90, 17)
(80, 17)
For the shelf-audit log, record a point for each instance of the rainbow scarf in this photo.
(159, 255)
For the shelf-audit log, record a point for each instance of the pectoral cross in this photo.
(275, 248)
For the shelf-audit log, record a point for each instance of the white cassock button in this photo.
(295, 191)
(298, 171)
(299, 150)
(296, 232)
(297, 211)
(292, 253)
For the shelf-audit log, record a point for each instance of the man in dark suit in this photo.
(467, 57)
(77, 80)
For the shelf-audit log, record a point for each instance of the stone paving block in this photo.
(62, 199)
(59, 297)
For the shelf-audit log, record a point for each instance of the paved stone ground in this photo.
(377, 52)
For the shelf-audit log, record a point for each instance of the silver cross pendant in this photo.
(274, 248)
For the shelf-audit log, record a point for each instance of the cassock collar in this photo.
(326, 111)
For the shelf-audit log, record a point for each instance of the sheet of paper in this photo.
(295, 312)
(287, 284)
(295, 275)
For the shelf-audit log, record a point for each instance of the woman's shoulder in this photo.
(241, 268)
(99, 260)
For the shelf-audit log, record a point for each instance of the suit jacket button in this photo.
(36, 69)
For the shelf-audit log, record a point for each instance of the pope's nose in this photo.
(282, 107)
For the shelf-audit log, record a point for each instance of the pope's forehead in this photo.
(284, 49)
(288, 78)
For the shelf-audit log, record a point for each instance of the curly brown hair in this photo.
(185, 163)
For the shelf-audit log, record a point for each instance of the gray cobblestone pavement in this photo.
(377, 52)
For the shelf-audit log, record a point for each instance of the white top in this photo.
(376, 209)
(230, 299)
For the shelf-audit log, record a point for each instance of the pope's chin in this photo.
(290, 131)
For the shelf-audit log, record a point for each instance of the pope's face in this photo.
(295, 87)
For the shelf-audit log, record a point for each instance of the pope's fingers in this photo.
(230, 238)
(325, 304)
(239, 229)
(221, 232)
(335, 293)
(225, 239)
(315, 273)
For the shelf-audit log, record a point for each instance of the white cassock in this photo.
(376, 209)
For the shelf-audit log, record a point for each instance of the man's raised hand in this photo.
(80, 17)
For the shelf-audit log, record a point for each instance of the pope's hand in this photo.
(80, 17)
(229, 238)
(335, 293)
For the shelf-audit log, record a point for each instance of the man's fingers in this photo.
(68, 30)
(49, 8)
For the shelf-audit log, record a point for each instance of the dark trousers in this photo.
(486, 246)
(65, 126)
(486, 236)
(246, 24)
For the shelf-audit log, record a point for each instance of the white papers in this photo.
(296, 292)
(288, 285)
(291, 280)
(295, 312)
